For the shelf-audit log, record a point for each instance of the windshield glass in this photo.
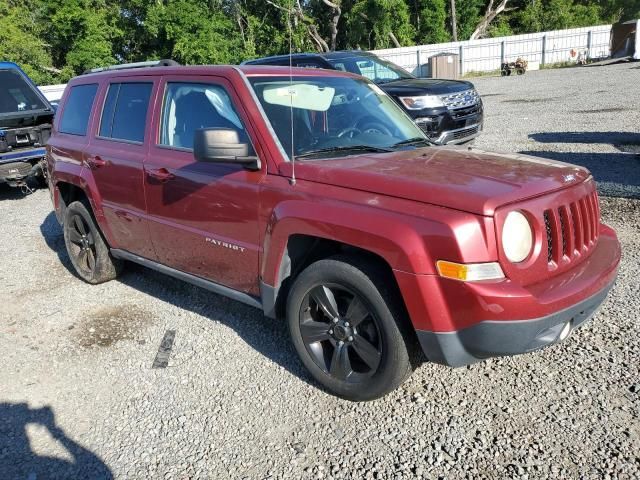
(333, 116)
(16, 95)
(375, 69)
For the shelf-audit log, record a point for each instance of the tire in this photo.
(87, 248)
(359, 360)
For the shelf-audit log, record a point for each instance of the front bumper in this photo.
(450, 126)
(463, 322)
(503, 338)
(458, 135)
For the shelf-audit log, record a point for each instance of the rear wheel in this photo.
(86, 247)
(345, 326)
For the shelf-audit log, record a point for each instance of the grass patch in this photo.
(479, 73)
(549, 66)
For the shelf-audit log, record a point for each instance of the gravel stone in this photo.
(79, 399)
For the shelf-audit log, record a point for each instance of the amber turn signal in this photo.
(469, 272)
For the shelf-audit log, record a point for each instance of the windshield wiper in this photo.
(413, 141)
(345, 148)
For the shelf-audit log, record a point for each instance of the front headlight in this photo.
(517, 237)
(425, 101)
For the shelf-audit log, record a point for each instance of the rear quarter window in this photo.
(124, 114)
(77, 109)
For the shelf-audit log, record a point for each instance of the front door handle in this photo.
(96, 162)
(161, 174)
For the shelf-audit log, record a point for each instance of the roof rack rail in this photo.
(126, 66)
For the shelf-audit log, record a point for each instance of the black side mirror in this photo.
(222, 145)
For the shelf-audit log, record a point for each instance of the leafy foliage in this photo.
(56, 39)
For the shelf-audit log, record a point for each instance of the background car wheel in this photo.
(347, 328)
(86, 247)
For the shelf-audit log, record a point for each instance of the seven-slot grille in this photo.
(460, 99)
(572, 228)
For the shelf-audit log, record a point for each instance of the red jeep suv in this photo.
(311, 195)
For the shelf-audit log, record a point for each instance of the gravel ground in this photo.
(587, 116)
(78, 397)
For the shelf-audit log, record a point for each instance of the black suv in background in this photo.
(448, 111)
(25, 127)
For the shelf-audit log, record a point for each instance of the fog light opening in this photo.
(565, 331)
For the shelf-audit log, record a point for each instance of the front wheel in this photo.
(345, 326)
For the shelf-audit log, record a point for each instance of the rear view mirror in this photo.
(222, 145)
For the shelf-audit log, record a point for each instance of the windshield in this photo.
(333, 116)
(375, 69)
(16, 95)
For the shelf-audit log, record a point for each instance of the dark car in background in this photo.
(448, 111)
(25, 126)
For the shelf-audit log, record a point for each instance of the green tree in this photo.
(377, 24)
(194, 32)
(21, 41)
(431, 22)
(81, 33)
(469, 13)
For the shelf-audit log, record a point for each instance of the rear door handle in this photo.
(96, 162)
(161, 174)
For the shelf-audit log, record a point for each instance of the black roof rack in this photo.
(126, 66)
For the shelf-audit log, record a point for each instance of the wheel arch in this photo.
(71, 187)
(299, 233)
(301, 250)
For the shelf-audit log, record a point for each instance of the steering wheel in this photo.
(375, 128)
(353, 131)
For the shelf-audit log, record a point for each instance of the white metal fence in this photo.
(487, 54)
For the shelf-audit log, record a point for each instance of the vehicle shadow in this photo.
(267, 336)
(18, 460)
(10, 193)
(617, 174)
(612, 138)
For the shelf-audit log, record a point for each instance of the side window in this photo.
(77, 109)
(376, 71)
(339, 66)
(124, 114)
(190, 106)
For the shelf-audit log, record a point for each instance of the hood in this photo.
(421, 86)
(463, 179)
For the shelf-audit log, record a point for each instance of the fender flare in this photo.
(81, 177)
(385, 234)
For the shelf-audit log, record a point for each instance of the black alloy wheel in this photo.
(349, 327)
(87, 248)
(340, 333)
(83, 245)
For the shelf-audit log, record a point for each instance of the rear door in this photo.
(71, 136)
(115, 157)
(203, 216)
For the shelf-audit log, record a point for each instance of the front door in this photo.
(203, 217)
(116, 155)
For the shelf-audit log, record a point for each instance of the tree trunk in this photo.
(454, 21)
(333, 26)
(395, 41)
(489, 16)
